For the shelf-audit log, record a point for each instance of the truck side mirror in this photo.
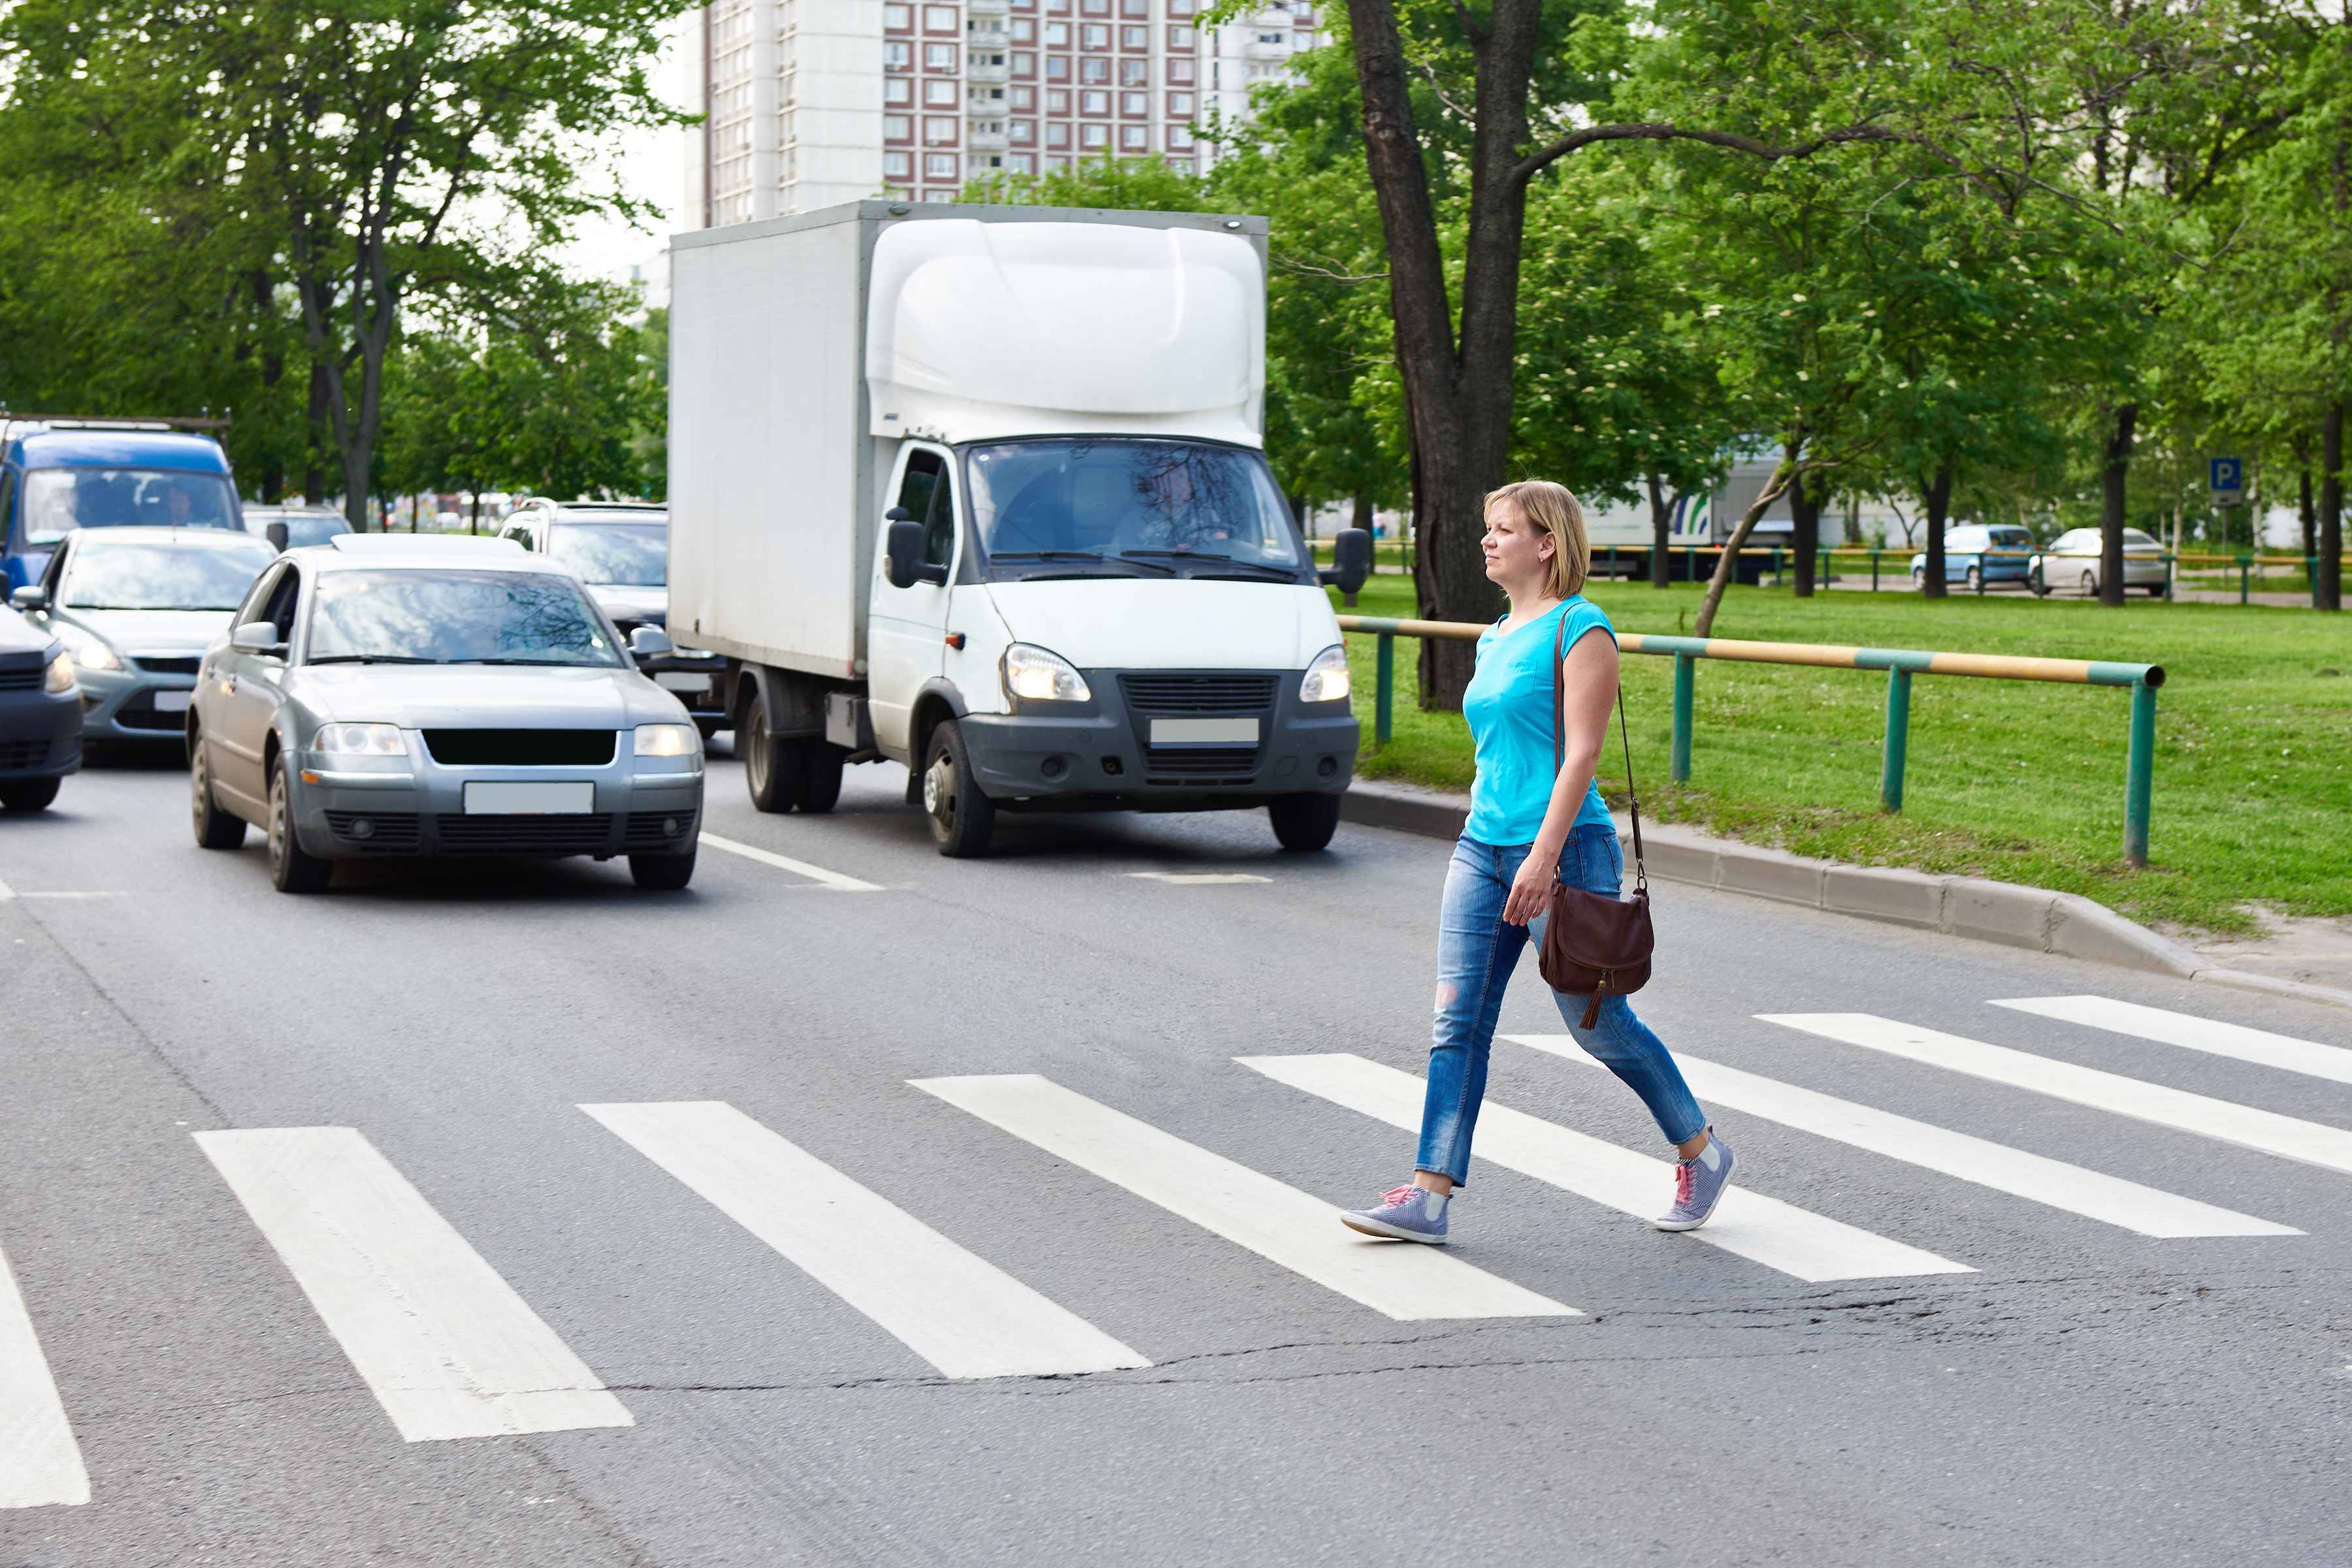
(278, 536)
(903, 550)
(1352, 560)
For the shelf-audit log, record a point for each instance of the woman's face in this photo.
(1517, 551)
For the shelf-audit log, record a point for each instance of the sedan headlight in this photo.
(1326, 678)
(361, 740)
(667, 741)
(1033, 675)
(89, 652)
(60, 676)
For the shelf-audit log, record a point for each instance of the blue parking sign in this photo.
(2226, 479)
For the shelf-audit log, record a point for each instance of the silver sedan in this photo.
(384, 696)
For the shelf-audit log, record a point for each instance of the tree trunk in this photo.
(1727, 563)
(1363, 515)
(1804, 529)
(2112, 513)
(2307, 505)
(1936, 498)
(1661, 532)
(2329, 588)
(314, 429)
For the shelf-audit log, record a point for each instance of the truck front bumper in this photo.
(1103, 752)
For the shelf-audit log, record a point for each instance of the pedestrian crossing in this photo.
(450, 1351)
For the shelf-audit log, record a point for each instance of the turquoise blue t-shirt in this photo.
(1512, 722)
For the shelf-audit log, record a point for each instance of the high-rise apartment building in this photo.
(810, 102)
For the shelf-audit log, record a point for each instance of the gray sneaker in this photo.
(1404, 1213)
(1699, 1186)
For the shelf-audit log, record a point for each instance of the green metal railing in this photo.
(1900, 664)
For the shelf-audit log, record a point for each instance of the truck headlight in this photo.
(667, 741)
(1033, 675)
(61, 674)
(361, 740)
(1326, 678)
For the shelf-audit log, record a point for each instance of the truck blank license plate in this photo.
(1204, 732)
(172, 701)
(529, 797)
(681, 680)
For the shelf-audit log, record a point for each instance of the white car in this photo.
(2071, 560)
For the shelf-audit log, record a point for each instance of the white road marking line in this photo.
(1199, 879)
(2222, 1119)
(40, 1464)
(70, 895)
(6, 892)
(1279, 1222)
(2235, 1041)
(957, 1311)
(1763, 1230)
(786, 863)
(445, 1345)
(2072, 1188)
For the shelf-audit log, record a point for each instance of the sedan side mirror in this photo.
(650, 642)
(902, 553)
(278, 536)
(1352, 560)
(31, 596)
(257, 637)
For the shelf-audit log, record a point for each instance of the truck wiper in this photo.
(1223, 559)
(572, 662)
(1094, 555)
(372, 659)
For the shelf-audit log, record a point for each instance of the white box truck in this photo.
(982, 490)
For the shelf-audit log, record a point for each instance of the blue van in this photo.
(56, 478)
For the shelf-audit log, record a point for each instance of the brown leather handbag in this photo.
(1595, 944)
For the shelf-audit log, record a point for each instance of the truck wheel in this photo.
(1304, 822)
(292, 868)
(215, 828)
(961, 818)
(773, 767)
(662, 873)
(821, 776)
(32, 794)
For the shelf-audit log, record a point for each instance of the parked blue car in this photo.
(2000, 553)
(56, 478)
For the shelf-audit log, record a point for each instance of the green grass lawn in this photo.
(2019, 781)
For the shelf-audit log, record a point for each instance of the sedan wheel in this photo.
(292, 868)
(215, 828)
(2090, 584)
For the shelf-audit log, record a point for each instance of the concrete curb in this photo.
(2033, 917)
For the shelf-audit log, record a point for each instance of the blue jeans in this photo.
(1477, 952)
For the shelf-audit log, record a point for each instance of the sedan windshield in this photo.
(614, 556)
(161, 576)
(301, 527)
(59, 500)
(1146, 503)
(455, 617)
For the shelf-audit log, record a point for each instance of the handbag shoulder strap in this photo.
(1559, 742)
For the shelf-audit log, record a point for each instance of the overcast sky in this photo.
(652, 166)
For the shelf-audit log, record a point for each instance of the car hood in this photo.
(632, 603)
(1125, 623)
(135, 632)
(464, 696)
(19, 636)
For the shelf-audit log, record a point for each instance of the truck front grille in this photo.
(521, 748)
(1171, 695)
(25, 679)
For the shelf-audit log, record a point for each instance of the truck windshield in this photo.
(1211, 510)
(59, 500)
(614, 556)
(455, 617)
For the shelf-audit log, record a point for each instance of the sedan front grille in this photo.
(140, 713)
(522, 748)
(570, 833)
(159, 665)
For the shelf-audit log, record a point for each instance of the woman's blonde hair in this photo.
(1554, 508)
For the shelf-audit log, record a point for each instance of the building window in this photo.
(1057, 100)
(1135, 73)
(1135, 7)
(1057, 35)
(1092, 136)
(1135, 37)
(1182, 7)
(1021, 163)
(1058, 7)
(1180, 37)
(1024, 97)
(939, 130)
(1095, 36)
(1134, 103)
(939, 165)
(939, 56)
(897, 128)
(940, 92)
(939, 18)
(895, 55)
(897, 90)
(1058, 135)
(1023, 63)
(1021, 130)
(1269, 37)
(1180, 105)
(1302, 40)
(898, 18)
(1094, 103)
(1094, 70)
(1025, 31)
(1094, 7)
(1180, 72)
(897, 165)
(1180, 139)
(1134, 138)
(1057, 67)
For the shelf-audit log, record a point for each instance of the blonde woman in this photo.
(1527, 817)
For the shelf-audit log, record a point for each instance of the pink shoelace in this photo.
(1397, 1196)
(1686, 1174)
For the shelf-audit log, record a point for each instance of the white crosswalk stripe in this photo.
(1279, 1222)
(2227, 1122)
(964, 1316)
(1747, 1224)
(40, 1464)
(2211, 1035)
(445, 1345)
(2073, 1189)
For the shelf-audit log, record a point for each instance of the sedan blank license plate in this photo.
(1204, 732)
(529, 797)
(172, 701)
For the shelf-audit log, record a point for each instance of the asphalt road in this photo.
(807, 1339)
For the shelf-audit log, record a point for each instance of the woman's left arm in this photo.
(1589, 682)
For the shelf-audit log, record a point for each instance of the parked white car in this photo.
(2071, 560)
